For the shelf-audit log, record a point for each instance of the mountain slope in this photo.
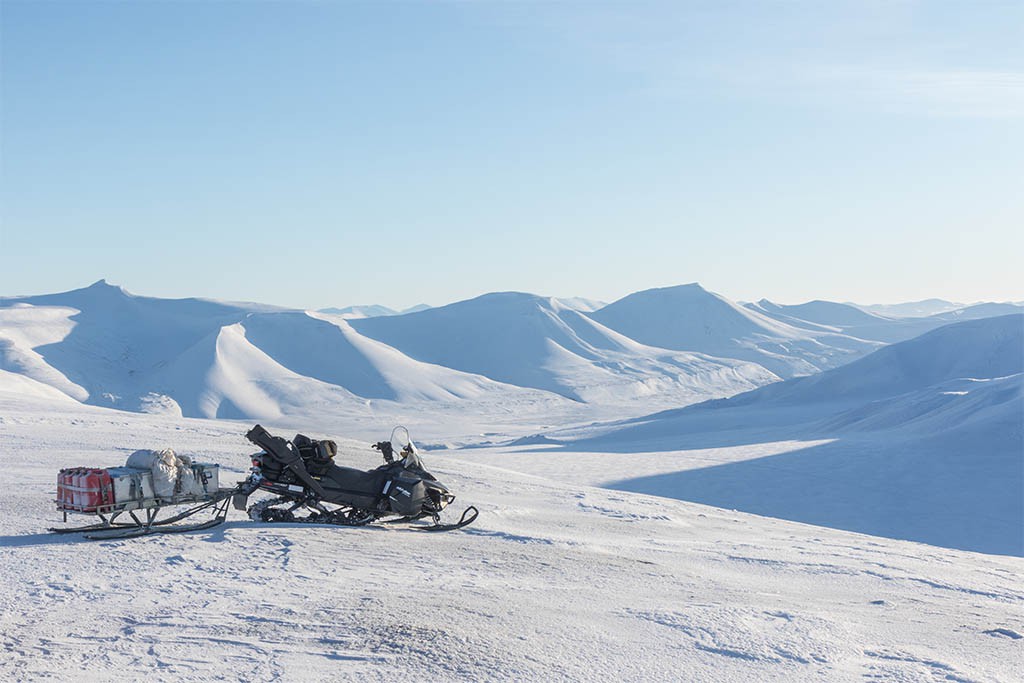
(977, 311)
(851, 320)
(689, 318)
(827, 313)
(911, 309)
(530, 341)
(104, 346)
(922, 440)
(370, 311)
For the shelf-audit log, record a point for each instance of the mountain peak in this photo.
(102, 285)
(689, 287)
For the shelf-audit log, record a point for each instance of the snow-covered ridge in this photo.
(690, 318)
(847, 319)
(201, 358)
(197, 357)
(533, 341)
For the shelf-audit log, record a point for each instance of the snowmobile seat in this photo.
(369, 486)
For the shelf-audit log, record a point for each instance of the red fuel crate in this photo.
(83, 489)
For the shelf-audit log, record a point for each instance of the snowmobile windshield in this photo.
(404, 448)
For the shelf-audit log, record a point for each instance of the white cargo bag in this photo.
(164, 466)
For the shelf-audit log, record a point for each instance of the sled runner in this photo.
(308, 486)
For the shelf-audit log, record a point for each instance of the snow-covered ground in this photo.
(557, 580)
(544, 413)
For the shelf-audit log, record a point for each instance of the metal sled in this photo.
(130, 519)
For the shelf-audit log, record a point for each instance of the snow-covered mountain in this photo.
(104, 346)
(579, 303)
(823, 313)
(850, 320)
(532, 341)
(690, 318)
(911, 309)
(196, 357)
(922, 440)
(368, 311)
(976, 311)
(371, 311)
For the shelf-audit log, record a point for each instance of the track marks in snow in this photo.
(770, 637)
(930, 668)
(506, 536)
(1004, 632)
(619, 508)
(893, 574)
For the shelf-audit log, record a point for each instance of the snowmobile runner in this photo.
(305, 478)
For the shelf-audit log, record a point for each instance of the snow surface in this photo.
(827, 313)
(198, 358)
(690, 318)
(922, 440)
(574, 571)
(368, 311)
(911, 309)
(583, 304)
(557, 580)
(532, 341)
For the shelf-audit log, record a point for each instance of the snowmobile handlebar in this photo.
(386, 450)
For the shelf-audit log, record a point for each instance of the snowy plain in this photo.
(558, 419)
(555, 581)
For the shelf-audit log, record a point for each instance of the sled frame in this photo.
(145, 521)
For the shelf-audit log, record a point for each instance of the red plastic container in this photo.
(81, 489)
(65, 489)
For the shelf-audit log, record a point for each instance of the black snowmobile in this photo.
(303, 474)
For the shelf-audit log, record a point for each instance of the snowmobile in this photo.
(131, 501)
(311, 488)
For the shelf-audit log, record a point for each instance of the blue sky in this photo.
(332, 153)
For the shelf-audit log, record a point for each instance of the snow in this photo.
(826, 313)
(922, 440)
(531, 341)
(690, 318)
(719, 541)
(556, 580)
(368, 311)
(371, 311)
(982, 310)
(582, 304)
(200, 358)
(911, 309)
